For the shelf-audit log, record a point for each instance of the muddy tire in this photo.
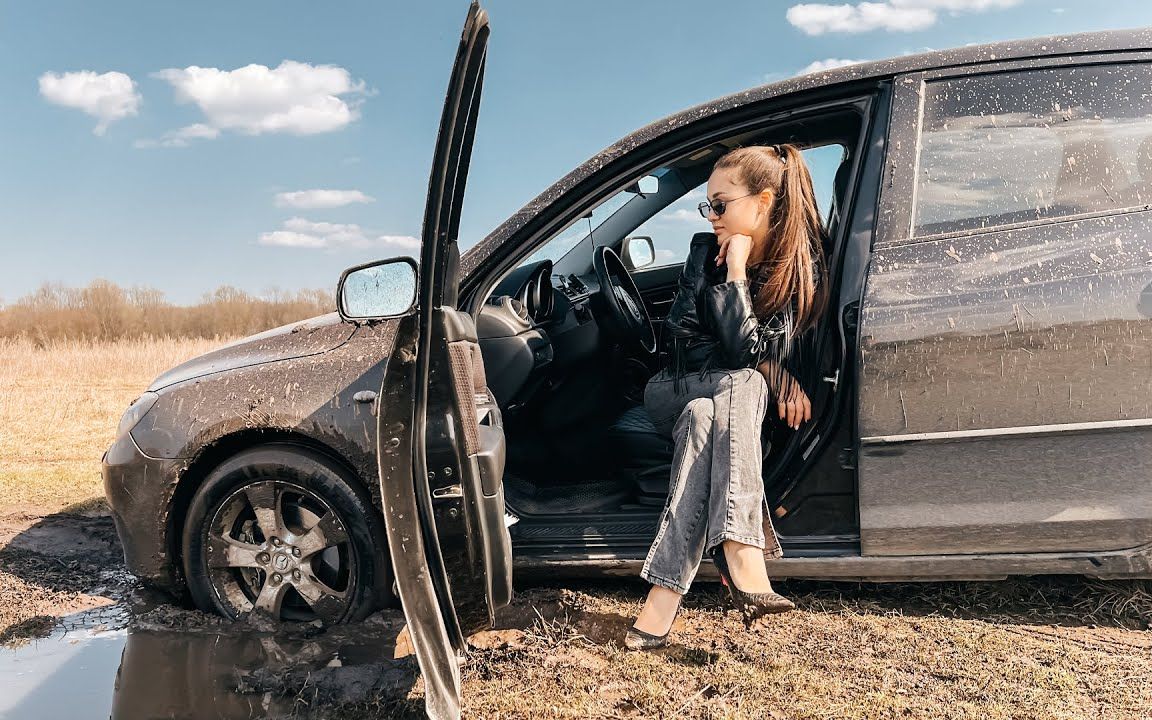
(283, 531)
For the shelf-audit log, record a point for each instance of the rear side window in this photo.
(1024, 146)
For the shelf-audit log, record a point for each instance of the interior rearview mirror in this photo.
(381, 289)
(647, 185)
(638, 252)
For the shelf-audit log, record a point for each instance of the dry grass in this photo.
(60, 402)
(850, 651)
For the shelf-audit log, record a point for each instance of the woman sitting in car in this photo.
(747, 296)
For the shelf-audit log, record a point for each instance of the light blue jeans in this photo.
(716, 491)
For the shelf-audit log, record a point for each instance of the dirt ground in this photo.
(1025, 648)
(1060, 647)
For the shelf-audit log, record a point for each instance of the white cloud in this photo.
(180, 137)
(314, 199)
(299, 232)
(826, 64)
(287, 238)
(956, 6)
(108, 97)
(683, 215)
(294, 97)
(895, 15)
(819, 18)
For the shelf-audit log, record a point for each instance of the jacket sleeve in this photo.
(751, 343)
(682, 318)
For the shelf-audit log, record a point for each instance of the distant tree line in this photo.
(106, 311)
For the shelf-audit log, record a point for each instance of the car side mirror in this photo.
(638, 252)
(647, 185)
(380, 289)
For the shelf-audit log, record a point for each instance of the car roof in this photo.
(1030, 48)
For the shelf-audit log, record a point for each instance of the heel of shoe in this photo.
(721, 564)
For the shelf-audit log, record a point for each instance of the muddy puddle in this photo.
(83, 639)
(139, 659)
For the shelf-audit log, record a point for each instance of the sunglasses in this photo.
(718, 206)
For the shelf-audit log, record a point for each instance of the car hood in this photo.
(299, 339)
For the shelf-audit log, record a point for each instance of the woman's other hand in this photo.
(795, 408)
(793, 403)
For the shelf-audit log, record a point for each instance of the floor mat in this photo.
(524, 497)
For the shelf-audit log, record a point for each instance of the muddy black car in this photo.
(987, 362)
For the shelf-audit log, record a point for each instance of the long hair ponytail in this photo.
(790, 267)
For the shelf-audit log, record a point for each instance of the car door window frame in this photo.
(560, 213)
(898, 197)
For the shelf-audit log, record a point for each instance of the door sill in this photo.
(1135, 563)
(561, 544)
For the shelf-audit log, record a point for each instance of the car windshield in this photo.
(560, 245)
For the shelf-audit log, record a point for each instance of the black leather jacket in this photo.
(711, 323)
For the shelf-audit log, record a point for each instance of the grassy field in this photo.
(1044, 648)
(60, 403)
(1025, 648)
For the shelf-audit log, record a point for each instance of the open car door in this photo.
(439, 433)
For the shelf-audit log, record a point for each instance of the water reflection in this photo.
(180, 664)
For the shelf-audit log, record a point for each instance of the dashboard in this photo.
(537, 294)
(533, 324)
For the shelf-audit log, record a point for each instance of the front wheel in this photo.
(281, 530)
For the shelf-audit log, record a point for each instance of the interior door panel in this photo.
(658, 288)
(481, 581)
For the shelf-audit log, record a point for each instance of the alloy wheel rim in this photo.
(277, 548)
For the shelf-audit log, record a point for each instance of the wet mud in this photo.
(81, 638)
(56, 565)
(141, 659)
(556, 650)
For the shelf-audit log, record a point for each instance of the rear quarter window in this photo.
(1022, 146)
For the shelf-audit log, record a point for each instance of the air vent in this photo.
(518, 308)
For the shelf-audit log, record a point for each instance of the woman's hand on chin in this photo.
(734, 250)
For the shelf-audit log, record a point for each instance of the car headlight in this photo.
(136, 412)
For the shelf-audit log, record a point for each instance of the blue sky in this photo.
(177, 145)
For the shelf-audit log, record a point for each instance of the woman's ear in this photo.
(764, 199)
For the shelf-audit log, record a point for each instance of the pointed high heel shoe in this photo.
(637, 639)
(751, 605)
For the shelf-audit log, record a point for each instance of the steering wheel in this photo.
(624, 313)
